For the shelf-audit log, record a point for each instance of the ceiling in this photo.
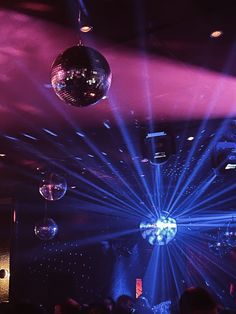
(168, 74)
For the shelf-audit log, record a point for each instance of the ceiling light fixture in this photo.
(216, 34)
(50, 132)
(84, 24)
(230, 167)
(30, 136)
(190, 138)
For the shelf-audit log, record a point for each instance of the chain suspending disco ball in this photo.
(81, 76)
(53, 187)
(46, 229)
(159, 232)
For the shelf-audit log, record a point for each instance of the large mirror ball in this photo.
(81, 76)
(159, 231)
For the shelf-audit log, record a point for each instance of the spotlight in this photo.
(190, 138)
(224, 157)
(86, 28)
(216, 34)
(160, 231)
(84, 24)
(159, 146)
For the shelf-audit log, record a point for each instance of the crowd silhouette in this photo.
(194, 300)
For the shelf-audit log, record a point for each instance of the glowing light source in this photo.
(216, 34)
(30, 136)
(190, 138)
(86, 28)
(230, 166)
(84, 24)
(160, 231)
(11, 138)
(50, 132)
(80, 134)
(106, 125)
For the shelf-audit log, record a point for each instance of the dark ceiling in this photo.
(168, 74)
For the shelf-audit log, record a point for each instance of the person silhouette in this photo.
(197, 301)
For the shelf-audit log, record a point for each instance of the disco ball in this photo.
(159, 232)
(81, 76)
(46, 229)
(53, 187)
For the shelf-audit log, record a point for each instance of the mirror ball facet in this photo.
(46, 229)
(81, 76)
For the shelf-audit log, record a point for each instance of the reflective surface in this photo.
(81, 76)
(53, 187)
(46, 229)
(159, 232)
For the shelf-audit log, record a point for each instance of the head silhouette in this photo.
(197, 301)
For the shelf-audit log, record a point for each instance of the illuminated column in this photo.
(139, 287)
